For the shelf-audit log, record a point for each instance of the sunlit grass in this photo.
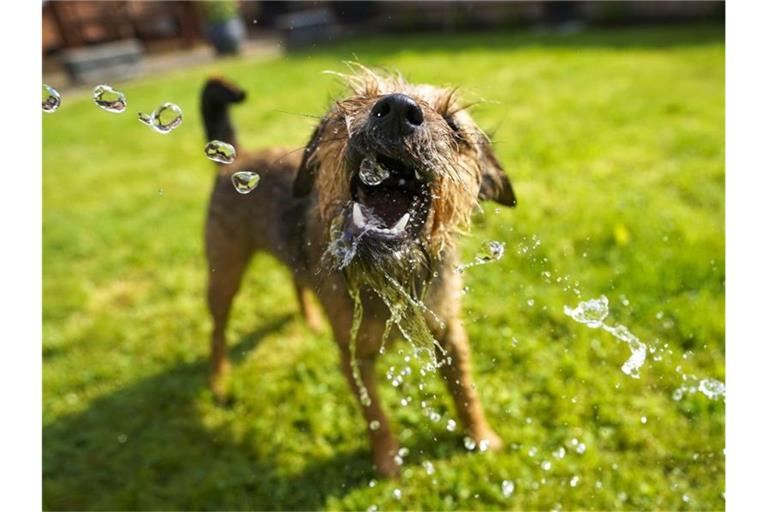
(615, 143)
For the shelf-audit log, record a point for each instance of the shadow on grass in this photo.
(145, 447)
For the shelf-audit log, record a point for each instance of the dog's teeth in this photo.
(357, 216)
(401, 223)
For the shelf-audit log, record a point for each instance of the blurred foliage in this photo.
(615, 142)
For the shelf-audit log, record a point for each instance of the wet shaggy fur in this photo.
(301, 213)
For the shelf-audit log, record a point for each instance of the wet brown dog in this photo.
(366, 217)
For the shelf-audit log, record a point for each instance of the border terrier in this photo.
(366, 218)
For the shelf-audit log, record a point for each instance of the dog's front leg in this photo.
(383, 442)
(458, 377)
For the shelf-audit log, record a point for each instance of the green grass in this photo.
(615, 143)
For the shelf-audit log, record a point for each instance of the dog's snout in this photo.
(397, 113)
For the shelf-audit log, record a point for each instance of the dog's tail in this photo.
(217, 95)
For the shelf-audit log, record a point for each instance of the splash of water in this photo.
(109, 99)
(51, 99)
(221, 152)
(491, 250)
(593, 313)
(245, 181)
(711, 388)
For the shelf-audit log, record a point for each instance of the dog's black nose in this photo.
(397, 114)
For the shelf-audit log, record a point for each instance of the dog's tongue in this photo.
(388, 204)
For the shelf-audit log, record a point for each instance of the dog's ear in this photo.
(305, 178)
(495, 184)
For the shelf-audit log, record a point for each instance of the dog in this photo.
(366, 217)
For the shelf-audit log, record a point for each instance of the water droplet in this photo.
(559, 453)
(145, 118)
(371, 173)
(507, 488)
(51, 99)
(532, 452)
(531, 302)
(372, 483)
(397, 493)
(686, 498)
(483, 445)
(166, 118)
(451, 426)
(374, 425)
(581, 448)
(122, 438)
(590, 313)
(643, 420)
(469, 443)
(712, 388)
(245, 181)
(546, 465)
(109, 99)
(372, 508)
(428, 467)
(574, 481)
(221, 152)
(491, 251)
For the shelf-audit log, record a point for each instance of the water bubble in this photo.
(109, 99)
(51, 99)
(507, 488)
(546, 465)
(469, 443)
(428, 467)
(245, 181)
(451, 426)
(371, 173)
(574, 481)
(221, 152)
(374, 425)
(559, 453)
(166, 118)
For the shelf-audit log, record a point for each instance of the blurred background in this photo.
(119, 39)
(607, 116)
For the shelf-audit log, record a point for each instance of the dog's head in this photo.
(398, 169)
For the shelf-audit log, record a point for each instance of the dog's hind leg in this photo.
(309, 312)
(458, 377)
(227, 260)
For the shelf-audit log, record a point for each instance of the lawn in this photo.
(615, 143)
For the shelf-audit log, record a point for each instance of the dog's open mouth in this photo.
(390, 199)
